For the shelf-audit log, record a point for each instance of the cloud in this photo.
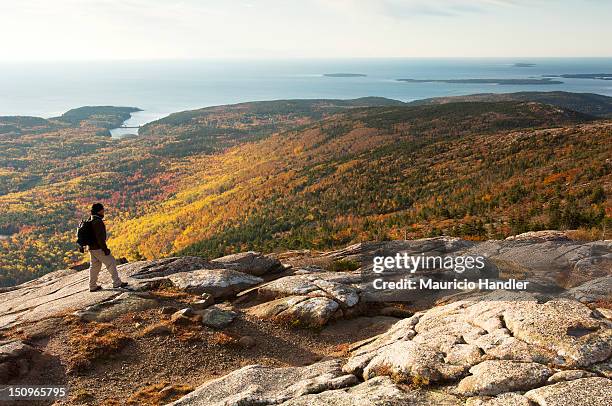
(402, 9)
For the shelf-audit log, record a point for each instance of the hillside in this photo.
(587, 103)
(476, 170)
(297, 174)
(213, 129)
(51, 170)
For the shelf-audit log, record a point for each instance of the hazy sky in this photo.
(145, 29)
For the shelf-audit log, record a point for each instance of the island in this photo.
(544, 81)
(344, 75)
(599, 76)
(524, 65)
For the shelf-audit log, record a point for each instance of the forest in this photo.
(300, 174)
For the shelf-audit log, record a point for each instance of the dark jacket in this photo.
(98, 233)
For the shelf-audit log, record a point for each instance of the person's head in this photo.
(97, 209)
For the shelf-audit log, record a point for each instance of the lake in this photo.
(163, 87)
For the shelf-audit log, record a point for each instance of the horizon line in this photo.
(290, 58)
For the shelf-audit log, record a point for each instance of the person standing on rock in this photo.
(99, 252)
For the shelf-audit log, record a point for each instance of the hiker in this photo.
(99, 252)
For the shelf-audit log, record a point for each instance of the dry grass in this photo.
(604, 304)
(342, 350)
(160, 328)
(221, 338)
(583, 234)
(172, 293)
(158, 394)
(89, 342)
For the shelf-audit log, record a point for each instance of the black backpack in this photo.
(84, 233)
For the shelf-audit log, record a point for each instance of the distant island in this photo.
(524, 65)
(544, 81)
(599, 76)
(344, 75)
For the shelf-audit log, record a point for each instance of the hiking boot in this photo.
(121, 285)
(97, 288)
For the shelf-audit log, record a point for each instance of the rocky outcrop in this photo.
(579, 392)
(444, 342)
(380, 391)
(501, 376)
(312, 285)
(111, 309)
(164, 267)
(599, 289)
(252, 263)
(67, 291)
(260, 385)
(543, 235)
(505, 399)
(298, 310)
(570, 375)
(566, 327)
(16, 360)
(220, 283)
(544, 261)
(216, 317)
(556, 262)
(500, 348)
(54, 294)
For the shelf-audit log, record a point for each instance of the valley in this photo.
(304, 174)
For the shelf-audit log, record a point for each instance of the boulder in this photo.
(543, 235)
(298, 310)
(593, 267)
(444, 342)
(260, 385)
(409, 361)
(309, 269)
(252, 263)
(56, 293)
(603, 368)
(505, 399)
(168, 310)
(599, 289)
(184, 317)
(311, 285)
(14, 349)
(127, 302)
(16, 360)
(570, 375)
(164, 267)
(579, 392)
(500, 376)
(552, 262)
(157, 330)
(207, 300)
(247, 342)
(607, 313)
(216, 317)
(567, 327)
(380, 391)
(220, 283)
(40, 329)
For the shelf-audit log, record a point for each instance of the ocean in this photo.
(163, 87)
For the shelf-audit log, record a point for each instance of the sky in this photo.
(57, 30)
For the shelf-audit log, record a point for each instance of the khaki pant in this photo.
(97, 259)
